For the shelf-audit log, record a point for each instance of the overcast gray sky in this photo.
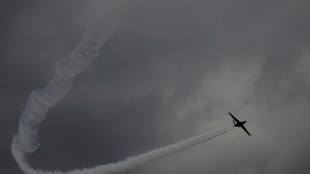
(173, 69)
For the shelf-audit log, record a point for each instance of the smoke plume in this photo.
(26, 141)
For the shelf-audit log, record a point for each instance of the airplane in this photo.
(238, 123)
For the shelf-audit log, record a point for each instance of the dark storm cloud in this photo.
(172, 70)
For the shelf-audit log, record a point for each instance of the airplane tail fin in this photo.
(234, 122)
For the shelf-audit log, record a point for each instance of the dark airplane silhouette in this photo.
(238, 123)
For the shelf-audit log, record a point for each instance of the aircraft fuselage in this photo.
(239, 124)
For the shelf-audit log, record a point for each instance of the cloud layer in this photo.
(172, 70)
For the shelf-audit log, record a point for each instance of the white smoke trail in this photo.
(26, 141)
(134, 161)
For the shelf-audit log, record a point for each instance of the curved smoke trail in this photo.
(134, 161)
(26, 141)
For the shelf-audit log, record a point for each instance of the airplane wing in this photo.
(234, 117)
(246, 130)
